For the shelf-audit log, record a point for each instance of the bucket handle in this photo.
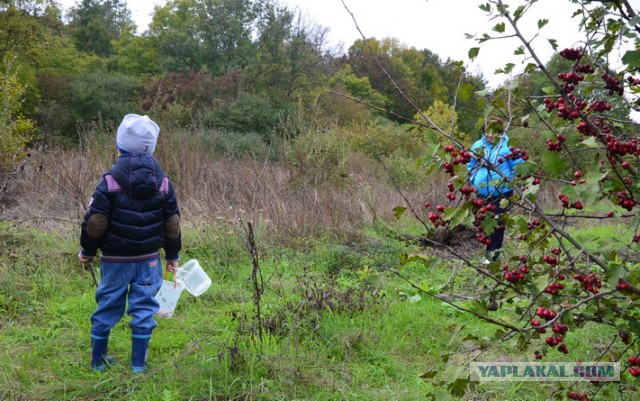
(175, 278)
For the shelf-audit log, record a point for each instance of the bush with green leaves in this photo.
(103, 95)
(15, 130)
(248, 113)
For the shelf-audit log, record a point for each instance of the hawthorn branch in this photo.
(458, 307)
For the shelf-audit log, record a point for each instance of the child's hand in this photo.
(172, 266)
(84, 260)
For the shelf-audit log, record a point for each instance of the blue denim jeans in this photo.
(135, 282)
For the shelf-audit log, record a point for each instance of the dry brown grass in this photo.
(55, 185)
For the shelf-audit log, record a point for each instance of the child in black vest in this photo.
(132, 214)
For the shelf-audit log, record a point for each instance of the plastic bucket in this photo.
(193, 278)
(167, 297)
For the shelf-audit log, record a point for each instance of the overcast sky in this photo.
(437, 25)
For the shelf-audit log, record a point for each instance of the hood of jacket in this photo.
(139, 175)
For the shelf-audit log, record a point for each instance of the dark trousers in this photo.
(497, 237)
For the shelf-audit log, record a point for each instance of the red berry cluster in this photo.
(565, 111)
(585, 128)
(554, 340)
(559, 328)
(565, 202)
(533, 224)
(459, 157)
(622, 284)
(515, 275)
(552, 260)
(451, 194)
(545, 313)
(577, 396)
(636, 237)
(625, 202)
(536, 323)
(585, 68)
(436, 219)
(612, 83)
(556, 146)
(571, 54)
(517, 153)
(538, 355)
(634, 361)
(621, 148)
(483, 211)
(624, 336)
(448, 168)
(590, 282)
(633, 81)
(570, 80)
(599, 106)
(466, 191)
(554, 288)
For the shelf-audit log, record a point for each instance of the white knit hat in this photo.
(137, 134)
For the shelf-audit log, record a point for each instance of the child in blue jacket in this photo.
(132, 214)
(493, 150)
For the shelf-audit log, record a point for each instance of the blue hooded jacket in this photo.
(129, 212)
(487, 182)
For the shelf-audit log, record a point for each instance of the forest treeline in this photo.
(238, 66)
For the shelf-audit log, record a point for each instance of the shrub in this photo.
(318, 157)
(383, 138)
(404, 171)
(248, 113)
(99, 94)
(15, 130)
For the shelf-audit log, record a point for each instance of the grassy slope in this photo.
(335, 327)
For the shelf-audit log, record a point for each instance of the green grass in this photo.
(336, 325)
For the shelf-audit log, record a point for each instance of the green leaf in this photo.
(420, 258)
(519, 51)
(518, 13)
(632, 58)
(508, 68)
(549, 90)
(489, 224)
(485, 7)
(499, 27)
(466, 92)
(615, 272)
(473, 52)
(553, 163)
(484, 38)
(429, 375)
(542, 23)
(478, 307)
(554, 44)
(454, 334)
(540, 283)
(459, 387)
(399, 211)
(590, 142)
(531, 67)
(415, 299)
